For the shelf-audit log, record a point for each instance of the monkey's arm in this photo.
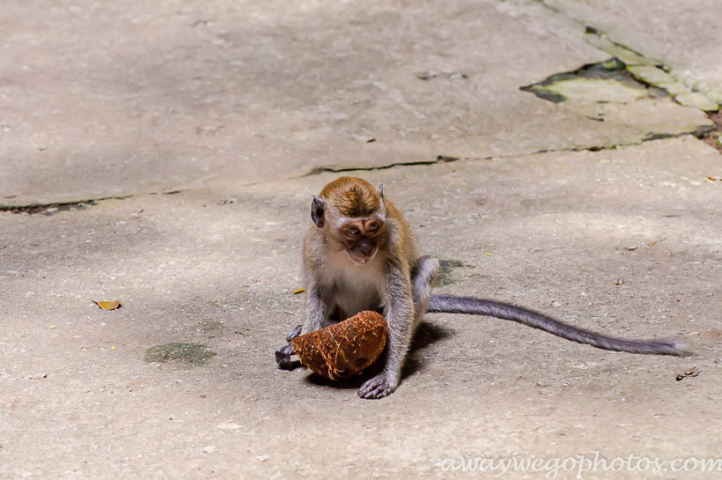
(295, 332)
(316, 309)
(315, 320)
(477, 306)
(399, 313)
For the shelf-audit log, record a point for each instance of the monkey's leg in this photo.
(423, 277)
(399, 313)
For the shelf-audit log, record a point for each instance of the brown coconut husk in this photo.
(344, 349)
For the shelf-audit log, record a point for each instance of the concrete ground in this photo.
(165, 154)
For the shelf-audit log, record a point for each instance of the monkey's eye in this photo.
(373, 227)
(353, 231)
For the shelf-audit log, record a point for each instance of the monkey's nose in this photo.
(365, 248)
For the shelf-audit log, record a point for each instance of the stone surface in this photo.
(650, 75)
(697, 100)
(675, 89)
(224, 103)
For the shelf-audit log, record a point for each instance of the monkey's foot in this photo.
(283, 357)
(294, 333)
(378, 387)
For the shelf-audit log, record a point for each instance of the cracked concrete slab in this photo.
(204, 119)
(105, 100)
(684, 36)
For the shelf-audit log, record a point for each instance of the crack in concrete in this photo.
(705, 133)
(713, 137)
(589, 29)
(51, 208)
(700, 133)
(351, 168)
(592, 30)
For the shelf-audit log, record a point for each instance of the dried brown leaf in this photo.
(108, 305)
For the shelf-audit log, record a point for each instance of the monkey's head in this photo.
(353, 214)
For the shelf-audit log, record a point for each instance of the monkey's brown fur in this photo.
(352, 198)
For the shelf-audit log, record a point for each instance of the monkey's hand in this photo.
(294, 333)
(380, 386)
(283, 357)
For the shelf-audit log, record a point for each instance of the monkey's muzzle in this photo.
(363, 251)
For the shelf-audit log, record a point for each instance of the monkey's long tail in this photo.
(477, 306)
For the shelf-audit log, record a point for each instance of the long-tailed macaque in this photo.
(360, 254)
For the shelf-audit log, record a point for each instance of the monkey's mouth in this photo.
(361, 259)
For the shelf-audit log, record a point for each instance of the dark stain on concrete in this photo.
(189, 354)
(445, 275)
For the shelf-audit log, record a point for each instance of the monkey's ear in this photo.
(381, 190)
(318, 207)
